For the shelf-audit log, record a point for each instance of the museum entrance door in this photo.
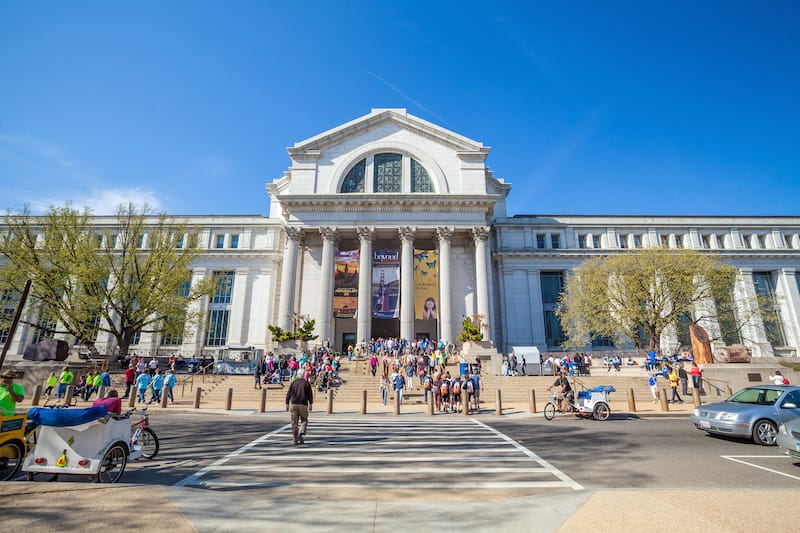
(385, 327)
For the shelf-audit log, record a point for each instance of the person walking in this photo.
(299, 401)
(673, 382)
(697, 375)
(652, 381)
(64, 381)
(169, 384)
(130, 378)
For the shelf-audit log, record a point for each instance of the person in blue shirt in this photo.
(142, 383)
(652, 380)
(105, 379)
(169, 384)
(157, 384)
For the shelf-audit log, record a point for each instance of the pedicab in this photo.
(88, 442)
(587, 403)
(12, 445)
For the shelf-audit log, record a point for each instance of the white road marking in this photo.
(192, 479)
(736, 458)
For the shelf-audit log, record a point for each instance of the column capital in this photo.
(745, 271)
(480, 233)
(445, 233)
(294, 233)
(407, 233)
(366, 233)
(329, 233)
(789, 271)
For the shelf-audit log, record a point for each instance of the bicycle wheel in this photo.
(113, 464)
(10, 459)
(549, 410)
(149, 443)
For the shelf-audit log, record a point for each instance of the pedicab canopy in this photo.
(45, 416)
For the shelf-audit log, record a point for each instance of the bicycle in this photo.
(554, 406)
(142, 436)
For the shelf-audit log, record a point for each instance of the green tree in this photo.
(637, 295)
(122, 275)
(470, 331)
(304, 333)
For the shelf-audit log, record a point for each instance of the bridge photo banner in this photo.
(345, 283)
(426, 284)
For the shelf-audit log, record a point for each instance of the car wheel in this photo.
(765, 433)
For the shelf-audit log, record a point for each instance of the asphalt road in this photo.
(655, 453)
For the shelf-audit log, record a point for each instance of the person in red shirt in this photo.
(130, 377)
(111, 402)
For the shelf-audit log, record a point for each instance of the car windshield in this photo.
(756, 396)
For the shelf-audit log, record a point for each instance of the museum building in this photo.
(391, 226)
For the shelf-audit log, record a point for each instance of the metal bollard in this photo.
(197, 393)
(498, 403)
(363, 402)
(164, 396)
(664, 403)
(102, 392)
(68, 397)
(329, 409)
(631, 401)
(533, 402)
(430, 405)
(37, 393)
(464, 403)
(396, 402)
(263, 407)
(229, 400)
(696, 397)
(132, 398)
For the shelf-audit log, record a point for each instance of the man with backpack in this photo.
(455, 392)
(469, 390)
(427, 384)
(444, 390)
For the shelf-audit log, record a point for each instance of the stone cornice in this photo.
(397, 203)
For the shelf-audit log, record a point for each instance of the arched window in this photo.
(420, 180)
(354, 181)
(389, 175)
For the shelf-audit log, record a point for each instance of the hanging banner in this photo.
(426, 284)
(386, 283)
(345, 283)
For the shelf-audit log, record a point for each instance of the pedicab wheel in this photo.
(149, 443)
(113, 464)
(549, 410)
(10, 459)
(601, 411)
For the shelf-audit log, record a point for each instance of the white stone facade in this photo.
(493, 265)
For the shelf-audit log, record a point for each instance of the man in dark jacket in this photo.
(299, 399)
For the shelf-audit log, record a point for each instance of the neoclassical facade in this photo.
(390, 225)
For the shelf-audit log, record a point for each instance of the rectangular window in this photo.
(552, 285)
(684, 321)
(595, 242)
(224, 284)
(140, 243)
(219, 241)
(217, 327)
(623, 241)
(8, 305)
(726, 318)
(600, 341)
(235, 240)
(581, 241)
(113, 243)
(702, 239)
(175, 336)
(540, 240)
(554, 242)
(637, 241)
(664, 241)
(179, 242)
(769, 308)
(136, 338)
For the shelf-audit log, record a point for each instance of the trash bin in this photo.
(463, 369)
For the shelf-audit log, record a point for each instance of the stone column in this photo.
(748, 314)
(326, 306)
(239, 310)
(364, 316)
(481, 235)
(445, 235)
(407, 282)
(288, 277)
(789, 302)
(193, 341)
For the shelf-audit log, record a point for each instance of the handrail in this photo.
(726, 390)
(190, 378)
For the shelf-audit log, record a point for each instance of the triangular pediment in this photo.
(399, 117)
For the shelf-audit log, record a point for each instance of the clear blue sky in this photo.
(590, 107)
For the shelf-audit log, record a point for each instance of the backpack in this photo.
(785, 380)
(426, 383)
(443, 388)
(469, 386)
(457, 387)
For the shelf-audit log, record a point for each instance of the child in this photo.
(51, 382)
(653, 382)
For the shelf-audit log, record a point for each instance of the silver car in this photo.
(789, 437)
(752, 413)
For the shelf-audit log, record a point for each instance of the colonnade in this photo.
(366, 236)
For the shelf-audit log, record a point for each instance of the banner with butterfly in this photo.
(345, 283)
(426, 284)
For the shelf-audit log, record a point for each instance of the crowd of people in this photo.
(320, 368)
